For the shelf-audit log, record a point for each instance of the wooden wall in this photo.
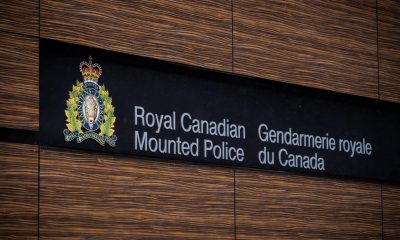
(280, 206)
(18, 191)
(323, 44)
(89, 196)
(391, 211)
(19, 64)
(344, 46)
(389, 49)
(350, 47)
(19, 88)
(20, 16)
(190, 32)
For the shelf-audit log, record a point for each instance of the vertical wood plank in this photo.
(19, 77)
(389, 49)
(281, 206)
(189, 32)
(18, 191)
(20, 16)
(330, 45)
(89, 196)
(391, 211)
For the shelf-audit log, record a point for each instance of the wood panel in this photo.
(281, 206)
(18, 191)
(330, 45)
(20, 16)
(389, 49)
(19, 76)
(391, 211)
(88, 196)
(190, 32)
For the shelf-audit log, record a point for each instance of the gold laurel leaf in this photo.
(67, 114)
(71, 102)
(79, 126)
(70, 128)
(101, 130)
(110, 132)
(106, 107)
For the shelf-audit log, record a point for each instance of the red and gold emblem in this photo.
(89, 111)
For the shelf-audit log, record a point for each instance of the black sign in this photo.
(99, 100)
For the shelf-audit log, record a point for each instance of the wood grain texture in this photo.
(282, 206)
(330, 45)
(391, 211)
(189, 32)
(389, 49)
(19, 77)
(20, 16)
(18, 191)
(88, 196)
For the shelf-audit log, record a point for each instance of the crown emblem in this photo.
(90, 71)
(89, 112)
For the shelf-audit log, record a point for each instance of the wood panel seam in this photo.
(377, 49)
(39, 2)
(388, 44)
(233, 55)
(18, 34)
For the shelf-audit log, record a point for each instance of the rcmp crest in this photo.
(89, 112)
